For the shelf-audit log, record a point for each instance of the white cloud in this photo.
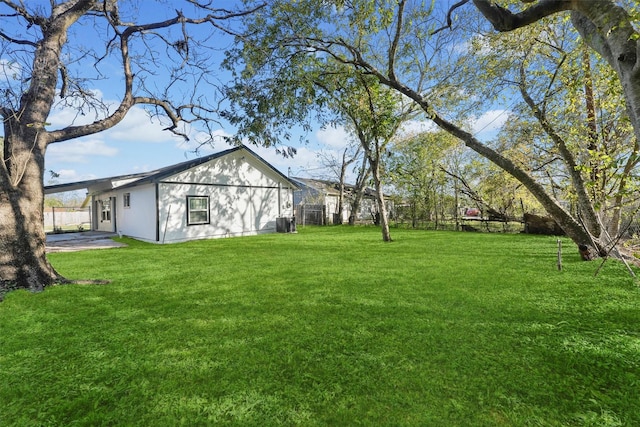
(415, 127)
(303, 163)
(334, 137)
(490, 121)
(79, 150)
(142, 168)
(62, 116)
(67, 175)
(117, 150)
(476, 45)
(137, 126)
(197, 139)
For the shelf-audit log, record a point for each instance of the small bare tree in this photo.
(339, 168)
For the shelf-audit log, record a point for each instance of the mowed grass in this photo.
(327, 327)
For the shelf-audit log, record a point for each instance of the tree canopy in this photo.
(404, 45)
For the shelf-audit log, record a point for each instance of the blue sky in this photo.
(139, 144)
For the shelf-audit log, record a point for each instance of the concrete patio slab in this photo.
(71, 242)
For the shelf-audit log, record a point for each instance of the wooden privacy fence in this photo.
(67, 218)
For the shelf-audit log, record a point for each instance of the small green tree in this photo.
(376, 114)
(416, 173)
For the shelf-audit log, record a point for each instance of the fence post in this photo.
(559, 255)
(53, 216)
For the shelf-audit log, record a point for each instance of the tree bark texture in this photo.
(361, 180)
(23, 261)
(382, 208)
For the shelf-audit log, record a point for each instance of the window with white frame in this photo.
(197, 210)
(126, 200)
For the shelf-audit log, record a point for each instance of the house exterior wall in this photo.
(311, 196)
(366, 212)
(138, 220)
(308, 196)
(245, 198)
(331, 201)
(233, 211)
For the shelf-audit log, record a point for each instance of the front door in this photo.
(106, 214)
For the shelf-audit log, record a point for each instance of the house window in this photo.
(126, 200)
(105, 210)
(197, 210)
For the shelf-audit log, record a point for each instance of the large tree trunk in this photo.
(607, 29)
(23, 261)
(382, 208)
(343, 173)
(361, 180)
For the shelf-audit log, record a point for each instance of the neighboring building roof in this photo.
(330, 187)
(157, 175)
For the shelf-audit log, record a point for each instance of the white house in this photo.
(231, 193)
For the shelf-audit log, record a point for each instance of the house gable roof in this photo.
(162, 173)
(80, 185)
(159, 174)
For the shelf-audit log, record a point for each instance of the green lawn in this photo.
(327, 327)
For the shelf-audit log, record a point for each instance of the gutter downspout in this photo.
(157, 214)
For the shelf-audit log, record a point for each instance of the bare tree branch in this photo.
(504, 20)
(449, 19)
(396, 40)
(128, 100)
(16, 41)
